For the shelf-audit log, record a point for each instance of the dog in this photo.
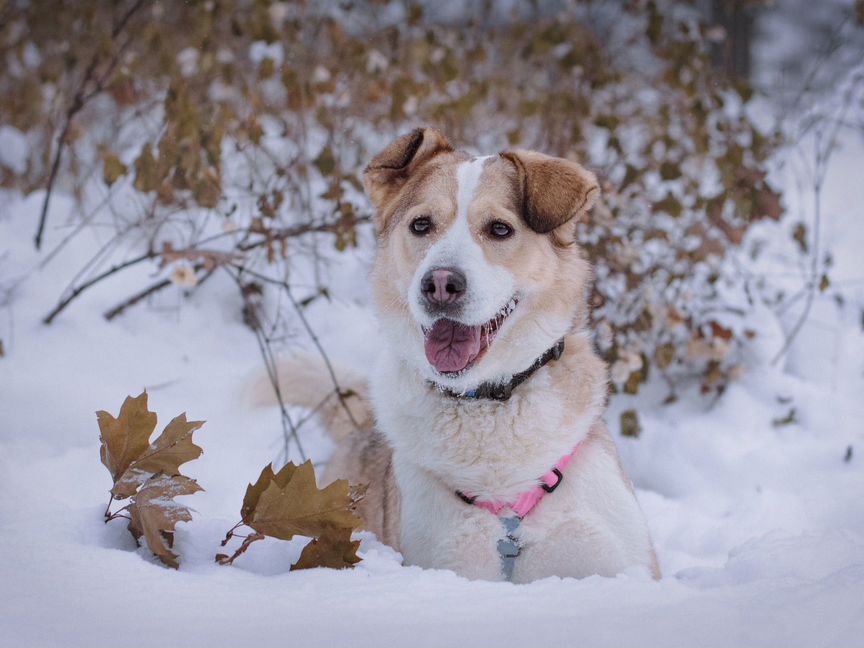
(479, 433)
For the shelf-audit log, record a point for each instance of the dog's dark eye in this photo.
(500, 230)
(421, 226)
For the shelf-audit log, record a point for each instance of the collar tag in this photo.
(509, 546)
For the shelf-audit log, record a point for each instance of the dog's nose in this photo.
(443, 285)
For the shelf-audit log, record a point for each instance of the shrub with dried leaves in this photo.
(261, 114)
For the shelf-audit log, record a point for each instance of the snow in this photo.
(13, 149)
(759, 528)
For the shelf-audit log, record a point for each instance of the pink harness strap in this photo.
(527, 501)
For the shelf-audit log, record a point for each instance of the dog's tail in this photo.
(305, 381)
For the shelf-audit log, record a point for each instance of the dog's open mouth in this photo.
(452, 347)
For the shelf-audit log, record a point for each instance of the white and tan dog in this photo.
(486, 439)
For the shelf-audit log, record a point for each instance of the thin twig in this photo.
(151, 290)
(306, 228)
(289, 429)
(812, 285)
(134, 299)
(231, 533)
(223, 559)
(299, 230)
(91, 282)
(340, 393)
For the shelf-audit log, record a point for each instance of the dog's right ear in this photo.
(388, 172)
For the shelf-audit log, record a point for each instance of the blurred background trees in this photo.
(231, 136)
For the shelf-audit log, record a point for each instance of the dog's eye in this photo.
(500, 230)
(421, 226)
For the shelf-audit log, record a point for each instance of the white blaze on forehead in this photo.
(467, 178)
(490, 287)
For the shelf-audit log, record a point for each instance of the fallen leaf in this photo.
(127, 452)
(127, 437)
(335, 551)
(253, 491)
(154, 513)
(172, 448)
(296, 506)
(288, 503)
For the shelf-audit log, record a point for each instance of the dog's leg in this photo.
(576, 549)
(440, 531)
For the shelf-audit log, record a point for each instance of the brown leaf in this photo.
(669, 205)
(146, 178)
(291, 504)
(768, 204)
(112, 168)
(154, 513)
(630, 424)
(335, 550)
(253, 491)
(325, 162)
(172, 448)
(670, 171)
(720, 331)
(824, 283)
(127, 437)
(126, 450)
(664, 355)
(288, 503)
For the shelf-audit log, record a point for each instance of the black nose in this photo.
(443, 286)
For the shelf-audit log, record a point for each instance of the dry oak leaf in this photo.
(335, 551)
(289, 503)
(154, 513)
(126, 449)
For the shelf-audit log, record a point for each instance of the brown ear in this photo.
(391, 168)
(551, 190)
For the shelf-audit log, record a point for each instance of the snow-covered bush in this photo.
(224, 135)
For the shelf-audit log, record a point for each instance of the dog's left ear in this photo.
(551, 191)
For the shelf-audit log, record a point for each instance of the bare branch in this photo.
(92, 282)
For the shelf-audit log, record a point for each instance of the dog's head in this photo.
(477, 272)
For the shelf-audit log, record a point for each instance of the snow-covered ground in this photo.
(759, 528)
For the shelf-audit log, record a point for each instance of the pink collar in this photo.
(526, 501)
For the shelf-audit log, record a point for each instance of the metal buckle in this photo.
(546, 487)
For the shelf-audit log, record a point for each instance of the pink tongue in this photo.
(451, 346)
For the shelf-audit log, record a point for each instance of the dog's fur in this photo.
(422, 445)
